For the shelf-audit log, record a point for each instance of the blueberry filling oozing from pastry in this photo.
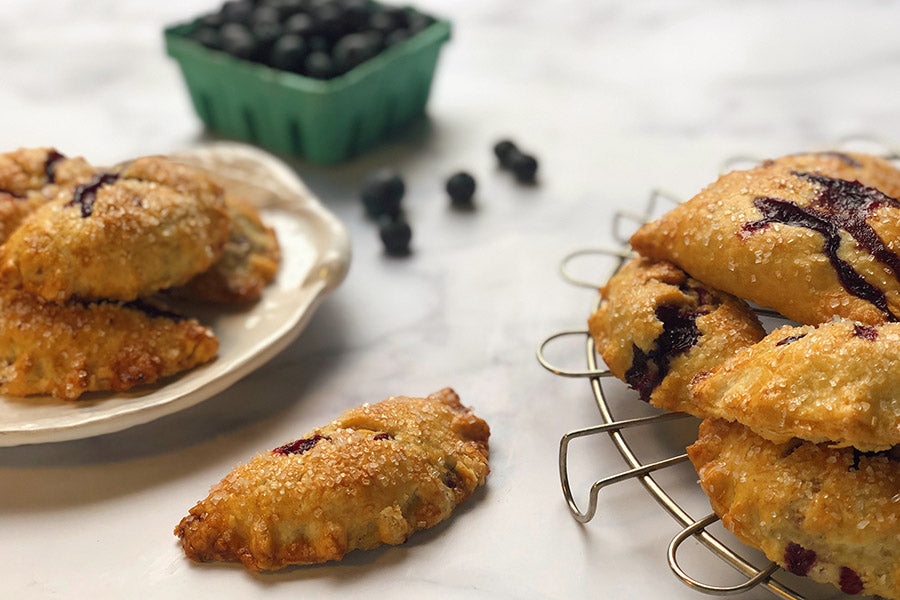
(790, 339)
(865, 332)
(798, 559)
(53, 157)
(300, 446)
(840, 205)
(383, 436)
(849, 581)
(85, 193)
(679, 334)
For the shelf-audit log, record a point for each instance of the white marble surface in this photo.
(615, 98)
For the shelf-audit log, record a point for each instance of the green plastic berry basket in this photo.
(324, 121)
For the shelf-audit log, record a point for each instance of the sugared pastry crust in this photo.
(832, 514)
(46, 348)
(154, 225)
(869, 170)
(248, 264)
(656, 328)
(806, 244)
(30, 169)
(836, 383)
(29, 178)
(373, 476)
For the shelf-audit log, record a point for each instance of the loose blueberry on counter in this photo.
(288, 53)
(523, 166)
(382, 192)
(461, 188)
(504, 150)
(318, 65)
(238, 41)
(396, 235)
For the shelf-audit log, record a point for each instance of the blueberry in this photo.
(288, 53)
(354, 49)
(396, 235)
(238, 41)
(381, 193)
(265, 33)
(418, 22)
(285, 8)
(319, 66)
(383, 22)
(237, 11)
(329, 20)
(265, 14)
(319, 43)
(207, 36)
(301, 24)
(356, 14)
(214, 20)
(524, 166)
(461, 188)
(395, 37)
(504, 150)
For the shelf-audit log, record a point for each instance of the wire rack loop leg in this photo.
(563, 372)
(620, 255)
(761, 575)
(584, 517)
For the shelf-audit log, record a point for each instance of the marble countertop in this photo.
(615, 98)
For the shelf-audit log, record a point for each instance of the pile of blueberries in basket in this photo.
(317, 38)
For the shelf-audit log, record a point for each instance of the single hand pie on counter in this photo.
(807, 243)
(153, 224)
(373, 476)
(66, 350)
(656, 328)
(836, 383)
(832, 514)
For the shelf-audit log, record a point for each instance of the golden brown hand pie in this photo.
(831, 514)
(656, 328)
(30, 169)
(46, 348)
(29, 178)
(248, 264)
(869, 170)
(373, 476)
(808, 245)
(836, 383)
(154, 225)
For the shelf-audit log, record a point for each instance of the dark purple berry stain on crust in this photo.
(679, 334)
(798, 559)
(849, 581)
(790, 339)
(844, 158)
(53, 157)
(383, 436)
(865, 332)
(85, 193)
(300, 446)
(840, 205)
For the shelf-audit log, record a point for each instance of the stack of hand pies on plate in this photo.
(89, 256)
(798, 451)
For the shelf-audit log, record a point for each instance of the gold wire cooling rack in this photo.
(698, 529)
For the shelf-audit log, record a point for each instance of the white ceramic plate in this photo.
(315, 257)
